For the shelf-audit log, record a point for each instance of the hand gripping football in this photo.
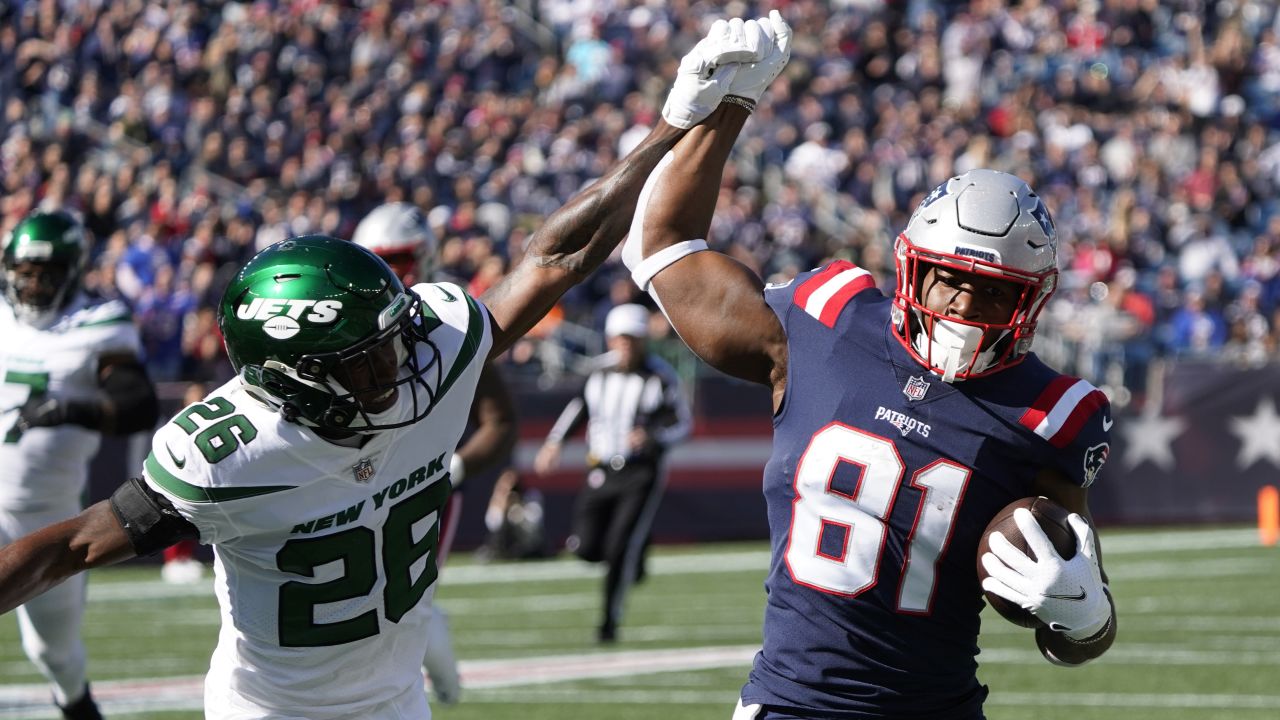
(1053, 519)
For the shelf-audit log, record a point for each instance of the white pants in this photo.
(746, 712)
(50, 623)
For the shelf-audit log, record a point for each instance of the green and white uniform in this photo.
(325, 555)
(43, 470)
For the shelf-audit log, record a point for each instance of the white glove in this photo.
(753, 79)
(705, 73)
(1066, 595)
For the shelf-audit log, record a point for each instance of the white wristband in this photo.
(457, 471)
(643, 273)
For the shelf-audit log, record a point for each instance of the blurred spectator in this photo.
(189, 134)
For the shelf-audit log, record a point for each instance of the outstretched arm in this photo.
(573, 242)
(31, 565)
(580, 235)
(715, 303)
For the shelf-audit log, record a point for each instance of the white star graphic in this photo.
(1150, 437)
(1259, 434)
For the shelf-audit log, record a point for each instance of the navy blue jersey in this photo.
(881, 481)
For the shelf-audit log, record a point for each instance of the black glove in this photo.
(41, 411)
(45, 411)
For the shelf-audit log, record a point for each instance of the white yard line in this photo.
(702, 563)
(535, 676)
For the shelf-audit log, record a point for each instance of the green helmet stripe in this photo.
(194, 493)
(470, 345)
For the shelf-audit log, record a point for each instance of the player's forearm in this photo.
(37, 562)
(574, 241)
(579, 236)
(681, 204)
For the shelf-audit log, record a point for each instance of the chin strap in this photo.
(952, 346)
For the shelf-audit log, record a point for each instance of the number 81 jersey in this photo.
(881, 480)
(325, 555)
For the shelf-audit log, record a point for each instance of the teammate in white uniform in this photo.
(399, 234)
(69, 371)
(319, 472)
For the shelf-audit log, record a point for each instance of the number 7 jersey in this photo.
(881, 480)
(325, 554)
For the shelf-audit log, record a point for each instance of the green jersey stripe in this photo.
(113, 320)
(196, 494)
(470, 345)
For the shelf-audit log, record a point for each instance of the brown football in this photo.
(1053, 519)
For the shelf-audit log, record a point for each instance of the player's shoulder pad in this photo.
(465, 334)
(105, 325)
(822, 293)
(1074, 417)
(186, 450)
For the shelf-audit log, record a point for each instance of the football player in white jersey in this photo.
(319, 472)
(69, 371)
(399, 234)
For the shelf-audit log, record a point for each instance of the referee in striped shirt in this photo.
(634, 411)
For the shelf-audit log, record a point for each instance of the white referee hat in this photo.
(629, 319)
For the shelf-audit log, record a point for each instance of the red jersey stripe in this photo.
(1049, 397)
(831, 309)
(1082, 412)
(808, 287)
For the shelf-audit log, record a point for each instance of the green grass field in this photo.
(1199, 638)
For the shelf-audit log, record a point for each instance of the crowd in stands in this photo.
(190, 134)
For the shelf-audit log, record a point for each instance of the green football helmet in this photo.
(44, 258)
(322, 330)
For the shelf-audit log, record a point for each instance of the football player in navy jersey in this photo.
(902, 424)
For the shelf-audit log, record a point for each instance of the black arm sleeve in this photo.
(133, 397)
(148, 518)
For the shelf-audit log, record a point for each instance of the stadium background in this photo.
(191, 133)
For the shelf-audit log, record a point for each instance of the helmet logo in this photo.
(280, 316)
(281, 327)
(1041, 214)
(321, 312)
(990, 256)
(33, 249)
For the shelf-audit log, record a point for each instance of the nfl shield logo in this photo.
(363, 470)
(916, 388)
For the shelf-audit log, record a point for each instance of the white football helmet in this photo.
(984, 222)
(399, 233)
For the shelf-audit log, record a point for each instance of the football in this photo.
(1053, 519)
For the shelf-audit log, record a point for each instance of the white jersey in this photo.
(325, 556)
(44, 468)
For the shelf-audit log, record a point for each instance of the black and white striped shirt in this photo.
(614, 402)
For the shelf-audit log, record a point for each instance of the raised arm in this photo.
(579, 236)
(573, 242)
(715, 303)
